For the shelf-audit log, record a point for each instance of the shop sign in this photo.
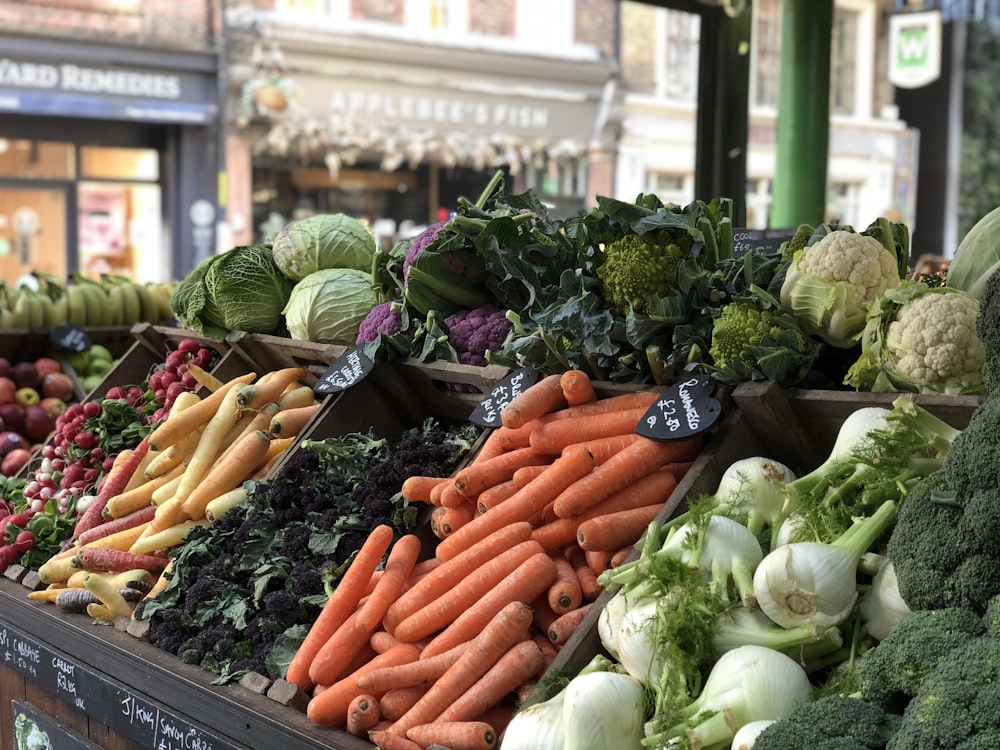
(914, 49)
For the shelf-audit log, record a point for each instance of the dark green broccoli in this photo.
(834, 722)
(639, 266)
(891, 672)
(944, 546)
(958, 704)
(752, 340)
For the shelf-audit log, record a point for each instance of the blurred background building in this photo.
(140, 136)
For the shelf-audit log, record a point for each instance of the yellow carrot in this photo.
(168, 489)
(176, 426)
(173, 455)
(227, 474)
(299, 395)
(119, 540)
(269, 387)
(205, 379)
(289, 422)
(135, 499)
(166, 538)
(110, 596)
(218, 506)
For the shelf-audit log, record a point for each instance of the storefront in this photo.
(394, 131)
(107, 160)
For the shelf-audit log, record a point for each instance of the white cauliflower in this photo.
(830, 284)
(920, 339)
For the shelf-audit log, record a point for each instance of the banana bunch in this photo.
(130, 302)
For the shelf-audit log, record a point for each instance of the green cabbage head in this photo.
(323, 241)
(241, 289)
(328, 305)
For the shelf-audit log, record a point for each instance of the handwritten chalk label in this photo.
(69, 338)
(490, 409)
(685, 409)
(348, 369)
(762, 240)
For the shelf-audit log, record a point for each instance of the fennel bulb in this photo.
(742, 626)
(749, 683)
(721, 549)
(751, 487)
(815, 583)
(536, 727)
(603, 710)
(882, 608)
(637, 643)
(747, 734)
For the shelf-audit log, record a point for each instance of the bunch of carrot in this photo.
(187, 472)
(430, 650)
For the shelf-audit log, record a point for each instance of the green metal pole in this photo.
(799, 191)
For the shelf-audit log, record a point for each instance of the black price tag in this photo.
(762, 240)
(487, 413)
(69, 337)
(685, 409)
(349, 368)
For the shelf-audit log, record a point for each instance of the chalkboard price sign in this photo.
(69, 338)
(488, 412)
(348, 369)
(684, 410)
(131, 715)
(762, 240)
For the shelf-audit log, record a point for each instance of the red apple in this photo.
(4, 367)
(54, 406)
(27, 396)
(46, 365)
(12, 415)
(14, 461)
(26, 375)
(10, 440)
(38, 423)
(58, 385)
(7, 390)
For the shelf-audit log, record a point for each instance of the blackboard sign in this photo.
(490, 409)
(348, 369)
(762, 240)
(133, 716)
(35, 729)
(69, 338)
(684, 410)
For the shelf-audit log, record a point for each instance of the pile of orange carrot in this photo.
(428, 650)
(185, 473)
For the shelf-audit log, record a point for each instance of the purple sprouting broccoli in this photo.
(384, 318)
(418, 244)
(475, 332)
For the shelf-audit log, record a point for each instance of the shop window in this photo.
(98, 162)
(36, 160)
(843, 61)
(678, 55)
(670, 187)
(766, 63)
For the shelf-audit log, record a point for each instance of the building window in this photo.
(670, 187)
(438, 15)
(678, 67)
(843, 61)
(766, 61)
(549, 25)
(842, 204)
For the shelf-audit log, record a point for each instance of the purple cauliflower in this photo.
(383, 318)
(472, 333)
(418, 244)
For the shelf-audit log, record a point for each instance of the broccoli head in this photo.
(834, 722)
(636, 267)
(891, 672)
(958, 704)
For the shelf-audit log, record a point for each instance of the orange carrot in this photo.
(496, 494)
(342, 602)
(452, 497)
(449, 573)
(398, 566)
(604, 448)
(553, 436)
(227, 473)
(619, 402)
(565, 625)
(434, 521)
(176, 426)
(621, 556)
(527, 473)
(289, 422)
(588, 580)
(398, 701)
(423, 671)
(541, 398)
(622, 469)
(113, 484)
(476, 477)
(613, 531)
(521, 663)
(561, 474)
(510, 438)
(434, 498)
(507, 627)
(443, 610)
(455, 735)
(139, 497)
(456, 517)
(565, 593)
(577, 387)
(269, 387)
(598, 560)
(529, 580)
(363, 713)
(543, 614)
(384, 739)
(330, 707)
(549, 651)
(381, 641)
(489, 446)
(417, 488)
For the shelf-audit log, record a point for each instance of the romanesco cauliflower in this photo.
(739, 326)
(636, 267)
